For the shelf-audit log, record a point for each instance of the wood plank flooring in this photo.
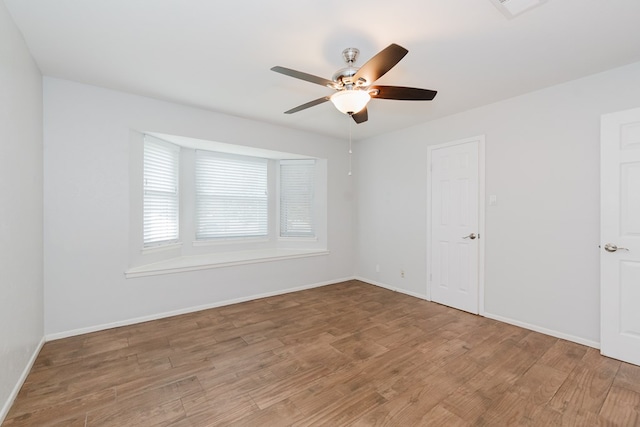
(349, 354)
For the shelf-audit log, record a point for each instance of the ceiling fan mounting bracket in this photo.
(350, 55)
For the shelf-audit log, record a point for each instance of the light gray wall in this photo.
(21, 277)
(87, 210)
(542, 163)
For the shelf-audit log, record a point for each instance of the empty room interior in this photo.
(319, 213)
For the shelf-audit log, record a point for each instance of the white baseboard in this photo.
(60, 335)
(542, 330)
(502, 319)
(89, 329)
(16, 389)
(391, 288)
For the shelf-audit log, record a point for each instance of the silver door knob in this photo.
(470, 236)
(610, 247)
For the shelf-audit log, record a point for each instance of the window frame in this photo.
(158, 155)
(289, 197)
(214, 188)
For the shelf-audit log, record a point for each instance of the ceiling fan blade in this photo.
(361, 116)
(377, 66)
(308, 105)
(402, 93)
(304, 76)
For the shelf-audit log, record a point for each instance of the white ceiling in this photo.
(217, 54)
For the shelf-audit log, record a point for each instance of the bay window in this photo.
(205, 204)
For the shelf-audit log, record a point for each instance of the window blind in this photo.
(297, 185)
(231, 196)
(161, 198)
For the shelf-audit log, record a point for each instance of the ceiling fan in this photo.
(354, 85)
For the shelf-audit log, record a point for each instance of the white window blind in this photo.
(231, 196)
(297, 185)
(161, 198)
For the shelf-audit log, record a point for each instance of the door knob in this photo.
(610, 247)
(470, 236)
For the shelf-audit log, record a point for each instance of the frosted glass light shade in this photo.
(350, 101)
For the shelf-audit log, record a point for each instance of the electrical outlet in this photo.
(377, 268)
(402, 273)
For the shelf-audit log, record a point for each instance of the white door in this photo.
(620, 236)
(454, 230)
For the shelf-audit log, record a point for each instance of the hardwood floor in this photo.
(349, 354)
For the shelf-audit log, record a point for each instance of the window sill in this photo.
(219, 260)
(297, 239)
(229, 241)
(161, 248)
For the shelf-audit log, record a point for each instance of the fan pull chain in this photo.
(350, 151)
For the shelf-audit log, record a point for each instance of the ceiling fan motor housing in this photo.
(344, 76)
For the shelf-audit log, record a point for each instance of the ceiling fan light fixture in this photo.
(350, 101)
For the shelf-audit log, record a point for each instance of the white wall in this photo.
(86, 215)
(21, 282)
(542, 163)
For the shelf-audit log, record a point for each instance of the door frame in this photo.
(480, 139)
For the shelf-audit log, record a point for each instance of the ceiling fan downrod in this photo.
(343, 77)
